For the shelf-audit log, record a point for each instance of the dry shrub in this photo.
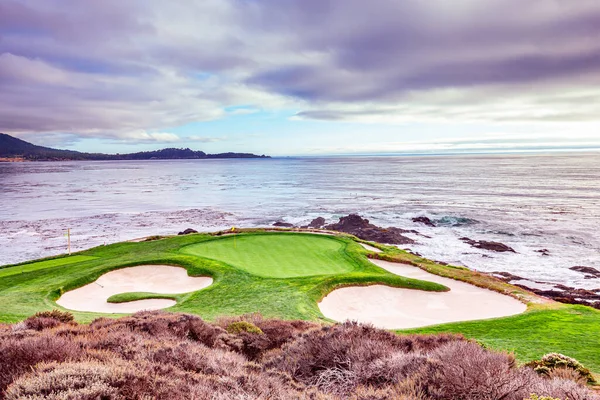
(275, 333)
(19, 353)
(157, 355)
(465, 370)
(567, 374)
(121, 379)
(47, 319)
(564, 389)
(41, 323)
(83, 380)
(337, 359)
(196, 357)
(61, 316)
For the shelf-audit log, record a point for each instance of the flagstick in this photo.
(69, 239)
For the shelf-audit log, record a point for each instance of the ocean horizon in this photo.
(529, 202)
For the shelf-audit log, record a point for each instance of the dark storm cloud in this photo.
(113, 67)
(381, 51)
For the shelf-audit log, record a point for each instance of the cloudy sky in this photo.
(293, 77)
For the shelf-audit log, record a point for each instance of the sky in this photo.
(302, 77)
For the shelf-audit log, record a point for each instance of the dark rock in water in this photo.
(317, 222)
(563, 287)
(423, 220)
(486, 245)
(544, 252)
(360, 227)
(282, 224)
(188, 231)
(590, 272)
(507, 276)
(568, 295)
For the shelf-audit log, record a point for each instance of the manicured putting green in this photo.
(278, 256)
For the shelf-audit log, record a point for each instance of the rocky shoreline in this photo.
(556, 292)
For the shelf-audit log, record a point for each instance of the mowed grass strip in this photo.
(35, 266)
(278, 256)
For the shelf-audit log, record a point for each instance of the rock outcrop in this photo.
(590, 273)
(487, 245)
(569, 295)
(188, 231)
(361, 227)
(317, 223)
(423, 220)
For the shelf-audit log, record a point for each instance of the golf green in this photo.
(277, 256)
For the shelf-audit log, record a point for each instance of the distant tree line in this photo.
(13, 147)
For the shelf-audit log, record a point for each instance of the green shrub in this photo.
(553, 361)
(243, 326)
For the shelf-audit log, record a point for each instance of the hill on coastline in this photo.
(14, 149)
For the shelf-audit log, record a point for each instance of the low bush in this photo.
(178, 356)
(551, 364)
(243, 326)
(62, 316)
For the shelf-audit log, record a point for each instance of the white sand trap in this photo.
(370, 248)
(396, 308)
(164, 279)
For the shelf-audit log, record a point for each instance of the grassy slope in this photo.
(546, 327)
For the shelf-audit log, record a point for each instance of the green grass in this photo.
(284, 275)
(133, 296)
(55, 263)
(280, 256)
(570, 329)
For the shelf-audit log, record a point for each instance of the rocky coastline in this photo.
(363, 229)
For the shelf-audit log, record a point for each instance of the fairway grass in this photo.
(278, 256)
(54, 264)
(285, 275)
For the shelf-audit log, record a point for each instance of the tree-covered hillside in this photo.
(12, 147)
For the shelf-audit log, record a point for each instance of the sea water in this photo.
(530, 202)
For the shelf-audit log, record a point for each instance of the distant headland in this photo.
(13, 149)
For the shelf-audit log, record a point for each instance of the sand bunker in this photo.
(370, 248)
(162, 279)
(396, 308)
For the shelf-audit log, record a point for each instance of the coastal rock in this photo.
(568, 295)
(188, 231)
(282, 224)
(423, 220)
(361, 227)
(590, 273)
(544, 252)
(507, 276)
(317, 223)
(488, 245)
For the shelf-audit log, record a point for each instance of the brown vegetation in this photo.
(178, 356)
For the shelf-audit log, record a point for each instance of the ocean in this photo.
(530, 202)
